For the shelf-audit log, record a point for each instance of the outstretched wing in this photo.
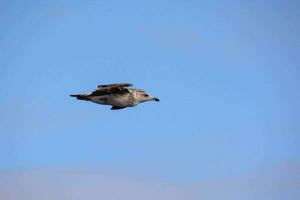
(118, 88)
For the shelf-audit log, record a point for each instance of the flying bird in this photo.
(118, 95)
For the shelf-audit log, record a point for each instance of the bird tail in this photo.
(81, 96)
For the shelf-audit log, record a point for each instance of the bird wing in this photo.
(116, 85)
(118, 88)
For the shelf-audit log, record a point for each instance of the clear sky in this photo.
(227, 74)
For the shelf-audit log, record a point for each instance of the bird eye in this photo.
(146, 95)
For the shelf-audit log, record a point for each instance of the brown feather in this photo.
(120, 88)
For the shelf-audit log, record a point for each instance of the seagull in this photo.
(118, 95)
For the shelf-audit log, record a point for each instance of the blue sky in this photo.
(227, 74)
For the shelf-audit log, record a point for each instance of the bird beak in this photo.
(155, 99)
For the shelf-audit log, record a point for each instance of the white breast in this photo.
(114, 100)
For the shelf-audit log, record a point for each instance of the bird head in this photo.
(141, 96)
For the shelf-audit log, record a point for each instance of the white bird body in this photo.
(117, 95)
(122, 100)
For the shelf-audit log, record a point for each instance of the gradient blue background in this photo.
(227, 74)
